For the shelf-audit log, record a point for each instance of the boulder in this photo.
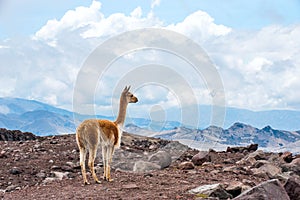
(247, 161)
(250, 148)
(144, 166)
(201, 158)
(161, 158)
(271, 189)
(292, 187)
(267, 170)
(214, 190)
(251, 158)
(235, 188)
(287, 157)
(294, 166)
(186, 165)
(16, 135)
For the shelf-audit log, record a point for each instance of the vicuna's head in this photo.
(128, 96)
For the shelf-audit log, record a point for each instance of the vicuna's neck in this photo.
(122, 111)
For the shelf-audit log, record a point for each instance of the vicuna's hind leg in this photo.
(110, 152)
(92, 156)
(82, 164)
(104, 160)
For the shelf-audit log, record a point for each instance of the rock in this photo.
(56, 176)
(267, 170)
(200, 158)
(214, 190)
(186, 165)
(175, 148)
(251, 158)
(11, 188)
(53, 142)
(258, 155)
(161, 158)
(130, 186)
(3, 154)
(250, 148)
(15, 135)
(247, 161)
(235, 188)
(15, 171)
(41, 175)
(67, 168)
(71, 164)
(55, 167)
(124, 166)
(143, 166)
(294, 166)
(271, 189)
(292, 187)
(287, 157)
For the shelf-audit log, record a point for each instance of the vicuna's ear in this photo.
(126, 89)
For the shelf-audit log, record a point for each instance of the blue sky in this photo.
(24, 18)
(254, 44)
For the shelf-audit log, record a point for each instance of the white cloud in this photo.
(155, 3)
(72, 20)
(260, 69)
(200, 26)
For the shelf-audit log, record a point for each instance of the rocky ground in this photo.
(144, 168)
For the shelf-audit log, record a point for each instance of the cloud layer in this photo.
(259, 68)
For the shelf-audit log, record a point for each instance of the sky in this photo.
(254, 46)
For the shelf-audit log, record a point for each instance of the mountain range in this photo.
(238, 134)
(43, 119)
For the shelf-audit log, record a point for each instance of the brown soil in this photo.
(25, 165)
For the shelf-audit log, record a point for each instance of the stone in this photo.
(124, 166)
(161, 158)
(294, 166)
(186, 165)
(258, 155)
(234, 188)
(213, 190)
(11, 188)
(287, 157)
(247, 161)
(260, 163)
(41, 175)
(200, 158)
(3, 154)
(15, 171)
(144, 166)
(130, 186)
(250, 148)
(267, 170)
(271, 189)
(292, 187)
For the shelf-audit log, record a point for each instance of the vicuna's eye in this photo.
(131, 95)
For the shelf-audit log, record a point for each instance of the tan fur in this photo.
(92, 133)
(110, 129)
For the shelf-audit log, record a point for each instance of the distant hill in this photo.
(43, 119)
(238, 134)
(33, 116)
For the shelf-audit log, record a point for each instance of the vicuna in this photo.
(94, 132)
